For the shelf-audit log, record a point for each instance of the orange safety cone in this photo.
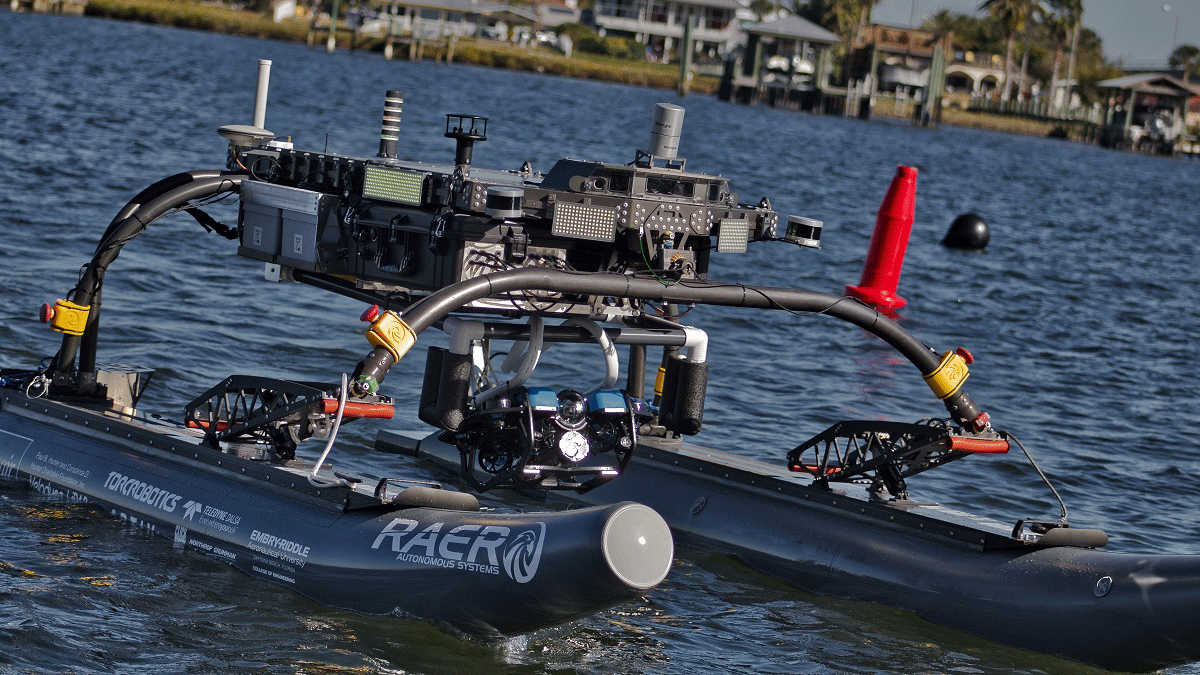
(881, 272)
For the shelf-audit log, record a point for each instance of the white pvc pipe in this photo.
(528, 364)
(696, 342)
(462, 334)
(260, 98)
(612, 366)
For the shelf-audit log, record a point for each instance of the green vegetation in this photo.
(198, 16)
(1051, 41)
(1045, 38)
(1186, 57)
(1052, 33)
(589, 41)
(839, 16)
(580, 65)
(607, 59)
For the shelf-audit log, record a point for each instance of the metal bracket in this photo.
(886, 452)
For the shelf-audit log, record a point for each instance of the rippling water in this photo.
(1082, 315)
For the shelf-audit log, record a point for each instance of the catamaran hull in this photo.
(1120, 611)
(479, 572)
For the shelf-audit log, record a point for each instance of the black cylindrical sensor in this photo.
(803, 231)
(389, 133)
(465, 130)
(503, 201)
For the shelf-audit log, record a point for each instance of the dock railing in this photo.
(1037, 108)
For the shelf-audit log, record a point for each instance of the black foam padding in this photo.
(452, 397)
(1072, 536)
(420, 496)
(431, 384)
(689, 397)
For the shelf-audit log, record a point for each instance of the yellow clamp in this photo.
(390, 332)
(948, 377)
(69, 317)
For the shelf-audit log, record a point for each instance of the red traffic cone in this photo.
(881, 272)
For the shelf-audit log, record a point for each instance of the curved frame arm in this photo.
(442, 302)
(133, 218)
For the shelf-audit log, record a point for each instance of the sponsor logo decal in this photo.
(141, 491)
(8, 467)
(190, 509)
(48, 489)
(211, 516)
(217, 551)
(279, 549)
(523, 553)
(273, 574)
(136, 521)
(485, 549)
(271, 541)
(63, 473)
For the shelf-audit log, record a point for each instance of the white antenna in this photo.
(260, 98)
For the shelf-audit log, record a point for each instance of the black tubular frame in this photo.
(151, 203)
(175, 191)
(439, 304)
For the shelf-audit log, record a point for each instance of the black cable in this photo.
(1062, 518)
(253, 174)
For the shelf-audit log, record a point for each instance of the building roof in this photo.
(719, 4)
(485, 7)
(906, 41)
(1162, 84)
(795, 28)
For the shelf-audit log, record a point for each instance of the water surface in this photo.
(1082, 316)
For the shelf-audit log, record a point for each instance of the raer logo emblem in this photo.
(480, 548)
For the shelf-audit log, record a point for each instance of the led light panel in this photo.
(403, 187)
(584, 221)
(732, 235)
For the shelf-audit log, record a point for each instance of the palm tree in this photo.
(1013, 14)
(1062, 21)
(1186, 57)
(762, 8)
(839, 16)
(1076, 13)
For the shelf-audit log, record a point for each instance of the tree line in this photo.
(1039, 40)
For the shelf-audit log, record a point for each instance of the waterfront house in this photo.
(1147, 111)
(436, 19)
(898, 57)
(787, 62)
(659, 25)
(973, 74)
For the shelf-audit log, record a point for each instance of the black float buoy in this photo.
(967, 231)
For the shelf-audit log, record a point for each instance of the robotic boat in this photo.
(227, 480)
(508, 262)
